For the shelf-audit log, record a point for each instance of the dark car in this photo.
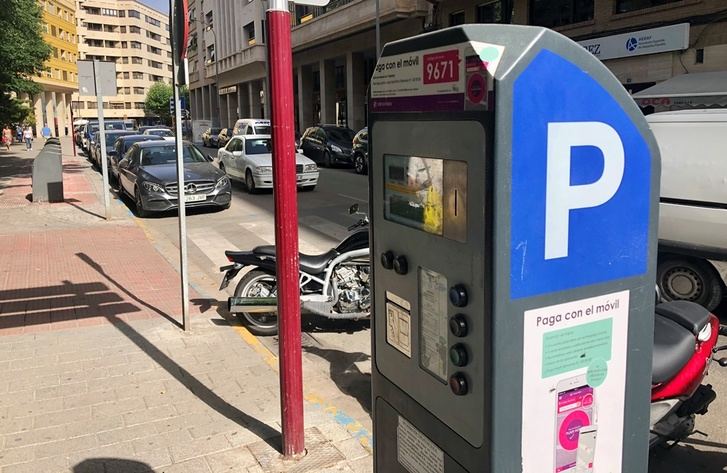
(328, 144)
(111, 136)
(92, 130)
(223, 137)
(121, 147)
(209, 137)
(148, 174)
(142, 129)
(361, 151)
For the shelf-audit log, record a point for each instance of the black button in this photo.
(458, 295)
(458, 325)
(458, 355)
(458, 384)
(387, 259)
(401, 266)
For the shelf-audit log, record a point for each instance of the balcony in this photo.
(249, 55)
(343, 17)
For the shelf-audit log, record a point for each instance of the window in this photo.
(154, 36)
(125, 60)
(623, 6)
(139, 105)
(137, 60)
(152, 21)
(52, 30)
(127, 105)
(456, 18)
(117, 105)
(154, 64)
(139, 90)
(133, 14)
(490, 12)
(153, 49)
(210, 54)
(90, 104)
(135, 45)
(249, 30)
(109, 12)
(699, 56)
(138, 75)
(134, 29)
(127, 90)
(124, 44)
(552, 13)
(122, 13)
(122, 29)
(126, 74)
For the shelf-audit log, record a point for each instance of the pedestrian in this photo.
(18, 133)
(7, 137)
(28, 136)
(45, 132)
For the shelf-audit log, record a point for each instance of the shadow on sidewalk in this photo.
(685, 457)
(112, 465)
(344, 372)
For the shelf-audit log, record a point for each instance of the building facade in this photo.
(137, 39)
(59, 80)
(334, 47)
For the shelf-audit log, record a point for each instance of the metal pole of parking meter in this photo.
(286, 226)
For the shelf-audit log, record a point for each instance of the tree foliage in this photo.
(22, 53)
(156, 102)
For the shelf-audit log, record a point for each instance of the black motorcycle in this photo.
(334, 284)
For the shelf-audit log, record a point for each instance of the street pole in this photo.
(286, 226)
(378, 32)
(180, 174)
(73, 131)
(216, 117)
(102, 143)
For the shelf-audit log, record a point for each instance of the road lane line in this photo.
(354, 198)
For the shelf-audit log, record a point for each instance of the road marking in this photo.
(265, 230)
(334, 231)
(354, 198)
(212, 244)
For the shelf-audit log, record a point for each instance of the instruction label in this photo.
(574, 378)
(415, 451)
(398, 328)
(433, 310)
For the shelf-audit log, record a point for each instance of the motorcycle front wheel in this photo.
(258, 283)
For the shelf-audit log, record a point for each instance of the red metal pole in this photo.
(286, 226)
(73, 132)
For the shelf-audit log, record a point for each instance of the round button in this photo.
(458, 384)
(458, 355)
(458, 325)
(401, 266)
(458, 295)
(387, 259)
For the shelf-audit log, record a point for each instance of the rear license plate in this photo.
(194, 198)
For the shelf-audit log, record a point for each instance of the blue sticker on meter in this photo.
(580, 183)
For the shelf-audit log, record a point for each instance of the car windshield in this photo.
(161, 132)
(340, 134)
(114, 126)
(258, 145)
(262, 129)
(157, 155)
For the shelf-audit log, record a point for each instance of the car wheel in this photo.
(327, 160)
(250, 183)
(359, 164)
(140, 211)
(681, 278)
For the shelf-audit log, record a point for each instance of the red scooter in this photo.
(685, 339)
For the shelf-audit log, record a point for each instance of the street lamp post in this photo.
(215, 117)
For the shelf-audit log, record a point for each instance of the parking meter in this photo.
(513, 199)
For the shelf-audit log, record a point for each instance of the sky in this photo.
(161, 5)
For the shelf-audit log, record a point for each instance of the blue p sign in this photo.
(580, 182)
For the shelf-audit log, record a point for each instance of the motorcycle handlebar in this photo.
(361, 223)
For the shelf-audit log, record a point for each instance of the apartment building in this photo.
(60, 78)
(135, 37)
(334, 47)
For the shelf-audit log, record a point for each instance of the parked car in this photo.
(209, 137)
(121, 146)
(249, 158)
(165, 133)
(361, 151)
(111, 137)
(328, 144)
(91, 129)
(86, 131)
(224, 137)
(251, 126)
(142, 129)
(148, 174)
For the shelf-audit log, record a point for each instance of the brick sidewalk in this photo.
(95, 374)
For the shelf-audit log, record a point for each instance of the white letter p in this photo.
(560, 196)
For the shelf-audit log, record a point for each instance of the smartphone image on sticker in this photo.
(586, 449)
(574, 410)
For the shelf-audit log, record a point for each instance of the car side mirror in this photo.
(353, 209)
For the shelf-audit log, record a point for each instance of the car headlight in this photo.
(222, 182)
(336, 149)
(152, 186)
(264, 170)
(310, 168)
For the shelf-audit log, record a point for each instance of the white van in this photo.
(252, 126)
(693, 211)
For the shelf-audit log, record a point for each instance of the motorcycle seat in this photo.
(689, 315)
(673, 347)
(313, 264)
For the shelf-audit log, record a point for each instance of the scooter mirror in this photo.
(353, 209)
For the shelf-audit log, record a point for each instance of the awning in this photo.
(688, 90)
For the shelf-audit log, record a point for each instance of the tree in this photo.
(157, 101)
(23, 52)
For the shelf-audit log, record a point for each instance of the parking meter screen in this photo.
(413, 192)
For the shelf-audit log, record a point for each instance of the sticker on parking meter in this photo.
(415, 451)
(433, 322)
(574, 373)
(581, 182)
